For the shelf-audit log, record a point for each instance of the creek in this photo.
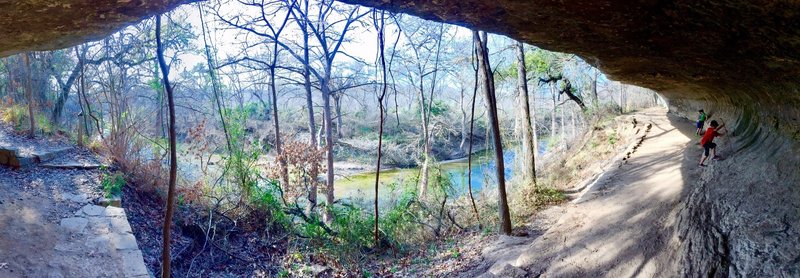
(393, 181)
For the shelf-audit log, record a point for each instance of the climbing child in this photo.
(708, 141)
(700, 121)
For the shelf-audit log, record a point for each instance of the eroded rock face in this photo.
(738, 60)
(47, 25)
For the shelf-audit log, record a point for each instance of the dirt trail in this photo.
(622, 225)
(49, 228)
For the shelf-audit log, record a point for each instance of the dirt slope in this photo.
(623, 225)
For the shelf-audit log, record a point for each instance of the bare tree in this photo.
(214, 86)
(425, 46)
(529, 123)
(379, 25)
(29, 93)
(475, 68)
(173, 157)
(487, 79)
(330, 42)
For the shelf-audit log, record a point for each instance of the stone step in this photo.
(72, 165)
(45, 156)
(10, 156)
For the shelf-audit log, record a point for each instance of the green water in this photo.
(483, 174)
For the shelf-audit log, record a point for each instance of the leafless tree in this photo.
(487, 79)
(528, 134)
(173, 157)
(425, 44)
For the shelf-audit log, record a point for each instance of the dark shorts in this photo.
(708, 146)
(700, 124)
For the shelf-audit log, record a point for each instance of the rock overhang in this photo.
(738, 59)
(47, 25)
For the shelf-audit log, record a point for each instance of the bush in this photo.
(43, 124)
(14, 115)
(112, 184)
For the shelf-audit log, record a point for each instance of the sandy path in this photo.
(623, 225)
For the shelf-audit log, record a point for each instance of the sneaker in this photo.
(702, 165)
(716, 157)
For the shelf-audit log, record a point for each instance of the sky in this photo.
(362, 42)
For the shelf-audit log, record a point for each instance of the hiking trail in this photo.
(48, 222)
(622, 224)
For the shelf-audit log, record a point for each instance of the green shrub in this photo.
(14, 115)
(112, 184)
(267, 198)
(44, 124)
(613, 138)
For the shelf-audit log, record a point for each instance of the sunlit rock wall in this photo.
(742, 218)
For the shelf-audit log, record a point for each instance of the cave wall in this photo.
(48, 25)
(742, 218)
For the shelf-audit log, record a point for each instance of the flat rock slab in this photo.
(74, 224)
(72, 165)
(77, 198)
(114, 212)
(48, 155)
(11, 156)
(104, 232)
(133, 264)
(124, 241)
(91, 210)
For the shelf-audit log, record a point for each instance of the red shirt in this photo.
(708, 136)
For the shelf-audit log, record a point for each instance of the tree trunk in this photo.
(622, 104)
(326, 98)
(488, 89)
(553, 115)
(173, 157)
(307, 80)
(572, 118)
(82, 121)
(463, 123)
(423, 179)
(312, 192)
(278, 148)
(528, 144)
(214, 86)
(595, 99)
(563, 127)
(471, 126)
(29, 90)
(160, 130)
(337, 102)
(380, 128)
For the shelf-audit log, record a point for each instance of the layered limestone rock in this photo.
(47, 25)
(738, 60)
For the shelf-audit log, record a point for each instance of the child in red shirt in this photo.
(708, 141)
